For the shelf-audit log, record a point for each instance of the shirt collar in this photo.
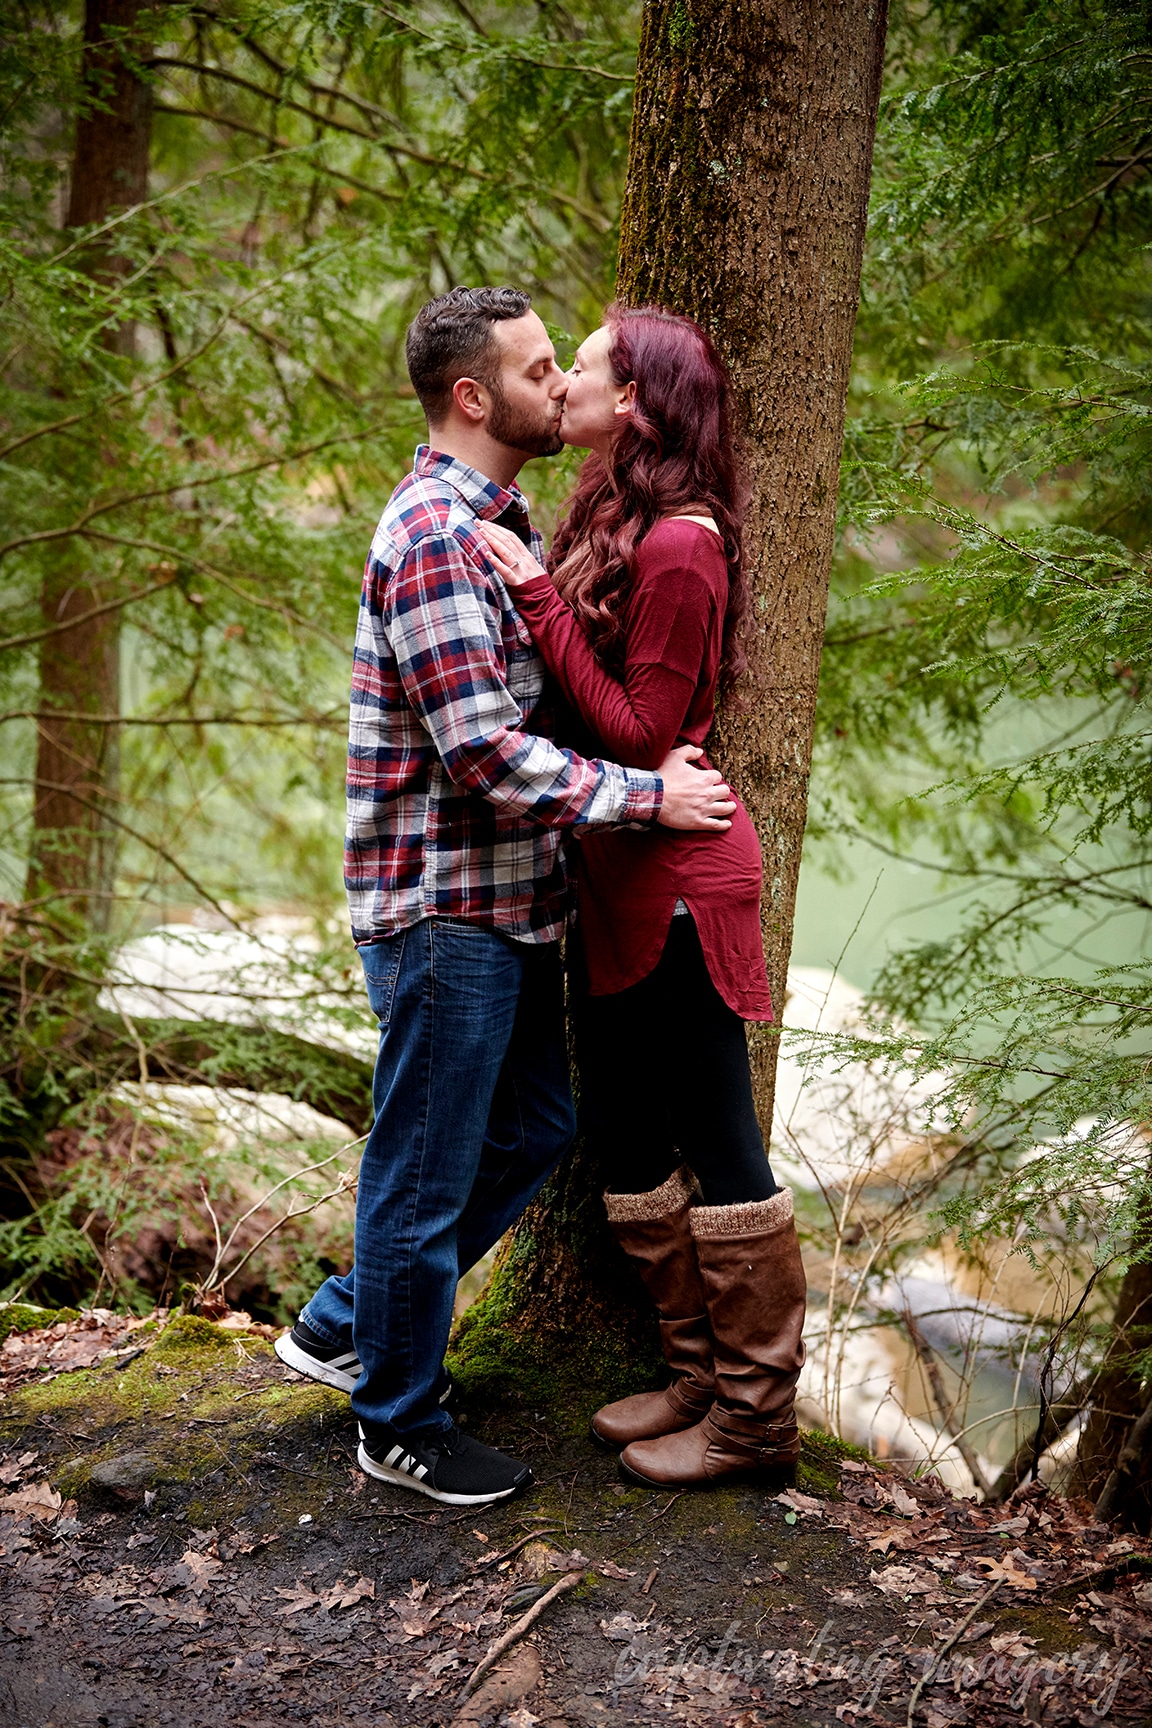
(483, 496)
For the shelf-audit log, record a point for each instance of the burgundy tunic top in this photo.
(628, 880)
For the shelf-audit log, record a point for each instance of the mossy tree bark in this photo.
(73, 844)
(745, 208)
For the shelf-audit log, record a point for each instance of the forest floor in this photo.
(185, 1539)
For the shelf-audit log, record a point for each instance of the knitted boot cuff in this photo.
(750, 1217)
(680, 1188)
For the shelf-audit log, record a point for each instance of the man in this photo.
(457, 813)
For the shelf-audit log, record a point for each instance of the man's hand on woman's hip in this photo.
(694, 798)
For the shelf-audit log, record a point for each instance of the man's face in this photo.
(528, 390)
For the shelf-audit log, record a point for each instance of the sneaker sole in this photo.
(293, 1357)
(399, 1479)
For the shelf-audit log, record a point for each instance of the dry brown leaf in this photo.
(39, 1500)
(1003, 1572)
(344, 1595)
(803, 1503)
(608, 1569)
(903, 1581)
(904, 1503)
(297, 1598)
(1012, 1643)
(11, 1468)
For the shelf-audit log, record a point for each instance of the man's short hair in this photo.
(451, 338)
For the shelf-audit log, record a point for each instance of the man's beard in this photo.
(521, 431)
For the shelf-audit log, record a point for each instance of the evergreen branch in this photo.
(320, 167)
(101, 611)
(86, 236)
(214, 575)
(334, 721)
(219, 478)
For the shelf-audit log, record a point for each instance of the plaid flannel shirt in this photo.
(455, 806)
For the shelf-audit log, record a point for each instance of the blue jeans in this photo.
(473, 1110)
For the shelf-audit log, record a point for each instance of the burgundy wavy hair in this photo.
(675, 455)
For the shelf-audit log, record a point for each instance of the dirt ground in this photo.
(185, 1539)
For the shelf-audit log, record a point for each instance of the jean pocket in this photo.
(381, 962)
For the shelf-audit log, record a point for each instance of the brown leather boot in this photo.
(653, 1230)
(754, 1286)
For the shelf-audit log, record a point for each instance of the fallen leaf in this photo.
(1012, 1527)
(609, 1569)
(297, 1598)
(39, 1500)
(902, 1581)
(202, 1570)
(1012, 1644)
(621, 1629)
(880, 1544)
(344, 1595)
(1002, 1572)
(803, 1503)
(854, 1467)
(10, 1468)
(522, 1718)
(418, 1590)
(479, 1535)
(904, 1503)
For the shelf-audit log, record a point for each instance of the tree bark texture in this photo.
(1119, 1397)
(73, 843)
(745, 208)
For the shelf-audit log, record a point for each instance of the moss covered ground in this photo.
(216, 1556)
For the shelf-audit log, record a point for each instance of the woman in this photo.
(640, 623)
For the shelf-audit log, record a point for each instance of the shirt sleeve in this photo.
(637, 720)
(442, 620)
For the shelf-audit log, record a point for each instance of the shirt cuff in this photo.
(643, 796)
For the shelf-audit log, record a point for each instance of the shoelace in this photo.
(447, 1443)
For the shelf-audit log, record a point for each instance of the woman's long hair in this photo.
(675, 454)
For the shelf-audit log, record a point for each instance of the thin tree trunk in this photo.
(745, 207)
(72, 856)
(1119, 1398)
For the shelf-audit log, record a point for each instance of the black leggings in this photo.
(665, 1081)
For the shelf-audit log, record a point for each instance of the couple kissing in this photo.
(526, 756)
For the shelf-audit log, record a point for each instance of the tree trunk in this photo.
(73, 843)
(745, 207)
(1119, 1397)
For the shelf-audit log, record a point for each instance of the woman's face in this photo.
(596, 407)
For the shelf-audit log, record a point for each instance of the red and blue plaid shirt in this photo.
(456, 807)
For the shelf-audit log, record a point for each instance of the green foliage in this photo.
(985, 682)
(203, 408)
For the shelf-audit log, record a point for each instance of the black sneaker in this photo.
(448, 1466)
(331, 1364)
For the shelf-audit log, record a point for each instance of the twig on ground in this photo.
(649, 1581)
(516, 1632)
(293, 1469)
(532, 1536)
(949, 1644)
(667, 1508)
(229, 1462)
(568, 1508)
